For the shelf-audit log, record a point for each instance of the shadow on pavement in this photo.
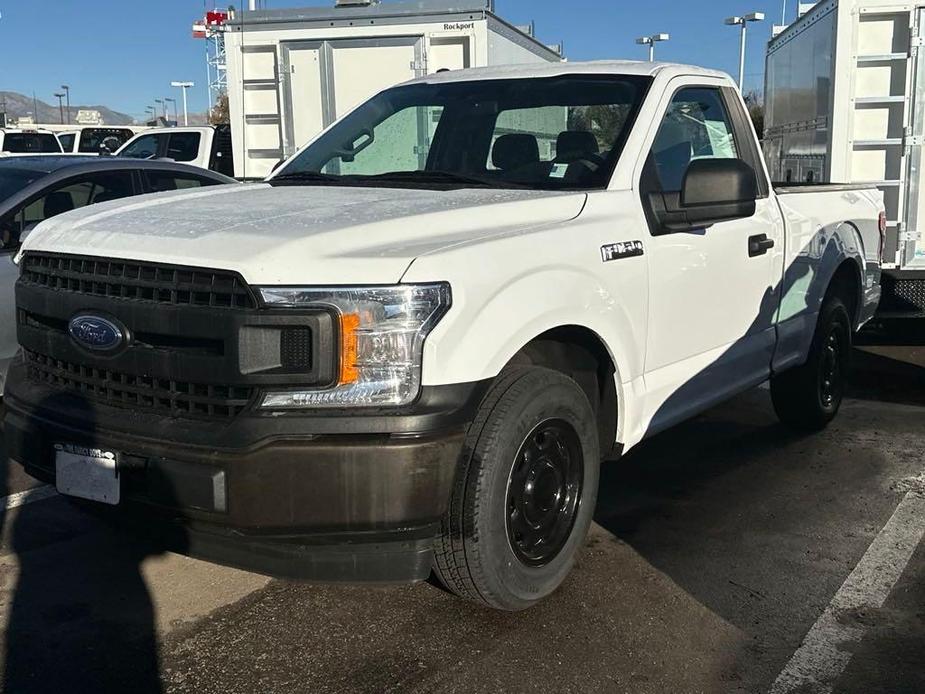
(889, 363)
(81, 618)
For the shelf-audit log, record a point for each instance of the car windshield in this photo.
(537, 133)
(12, 182)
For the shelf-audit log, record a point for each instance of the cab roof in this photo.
(599, 67)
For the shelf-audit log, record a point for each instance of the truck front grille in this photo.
(140, 281)
(158, 395)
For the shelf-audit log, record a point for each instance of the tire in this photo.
(808, 397)
(524, 493)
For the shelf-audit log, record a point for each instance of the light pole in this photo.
(67, 93)
(184, 86)
(153, 111)
(650, 41)
(162, 105)
(60, 105)
(176, 116)
(743, 22)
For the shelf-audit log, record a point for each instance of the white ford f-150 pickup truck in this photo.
(410, 349)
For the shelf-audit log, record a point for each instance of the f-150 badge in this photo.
(623, 249)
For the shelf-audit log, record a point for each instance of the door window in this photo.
(183, 146)
(145, 147)
(696, 126)
(161, 181)
(72, 195)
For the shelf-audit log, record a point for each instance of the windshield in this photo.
(31, 143)
(14, 181)
(541, 133)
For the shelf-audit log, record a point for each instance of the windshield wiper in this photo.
(439, 178)
(307, 177)
(444, 177)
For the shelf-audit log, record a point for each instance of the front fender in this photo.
(484, 330)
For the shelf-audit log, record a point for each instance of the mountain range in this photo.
(18, 105)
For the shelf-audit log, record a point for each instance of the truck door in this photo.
(713, 291)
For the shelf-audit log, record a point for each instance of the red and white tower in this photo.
(212, 28)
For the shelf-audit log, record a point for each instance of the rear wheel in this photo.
(525, 491)
(808, 397)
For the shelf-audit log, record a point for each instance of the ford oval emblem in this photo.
(94, 332)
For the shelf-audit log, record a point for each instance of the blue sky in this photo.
(124, 53)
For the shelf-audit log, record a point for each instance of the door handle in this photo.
(759, 245)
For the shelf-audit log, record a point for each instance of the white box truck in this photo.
(292, 72)
(845, 102)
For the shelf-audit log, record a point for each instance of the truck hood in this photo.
(299, 234)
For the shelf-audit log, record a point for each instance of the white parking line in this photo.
(27, 497)
(827, 648)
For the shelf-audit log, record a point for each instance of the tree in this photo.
(220, 114)
(755, 105)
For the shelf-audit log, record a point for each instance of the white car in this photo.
(411, 348)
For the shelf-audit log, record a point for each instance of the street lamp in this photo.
(176, 117)
(153, 111)
(164, 106)
(743, 22)
(67, 93)
(650, 41)
(60, 105)
(183, 86)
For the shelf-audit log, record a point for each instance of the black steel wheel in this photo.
(808, 397)
(831, 369)
(543, 492)
(525, 491)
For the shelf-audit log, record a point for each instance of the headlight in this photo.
(381, 340)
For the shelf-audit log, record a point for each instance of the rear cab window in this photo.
(31, 143)
(92, 139)
(183, 146)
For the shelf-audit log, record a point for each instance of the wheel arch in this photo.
(583, 355)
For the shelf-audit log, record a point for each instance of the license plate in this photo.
(88, 473)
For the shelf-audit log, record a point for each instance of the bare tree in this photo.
(755, 105)
(219, 114)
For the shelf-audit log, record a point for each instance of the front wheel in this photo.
(525, 491)
(808, 397)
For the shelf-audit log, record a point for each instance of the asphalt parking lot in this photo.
(728, 556)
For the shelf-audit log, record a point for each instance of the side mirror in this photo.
(714, 191)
